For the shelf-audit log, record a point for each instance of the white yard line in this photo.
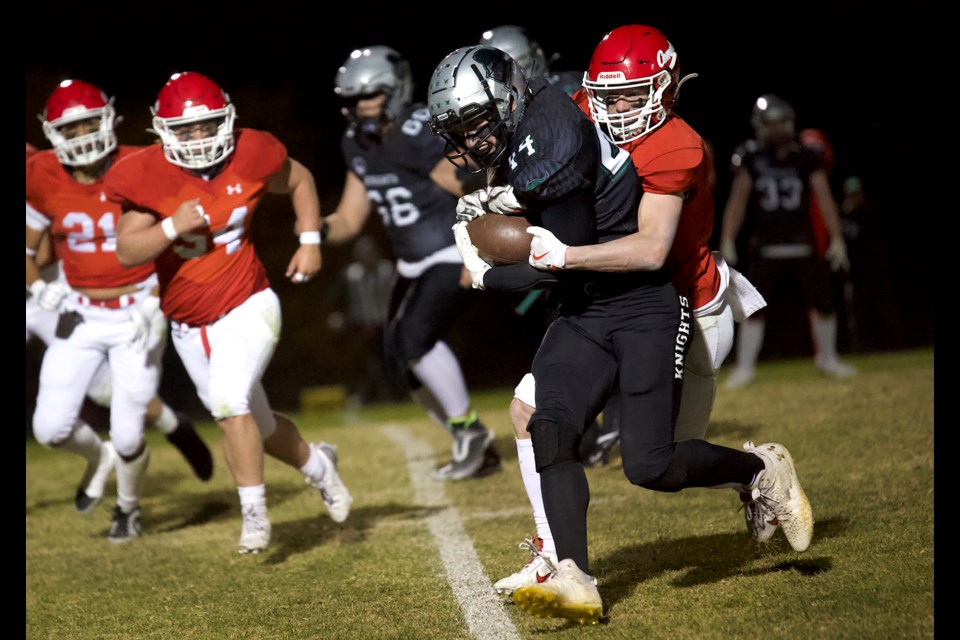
(481, 607)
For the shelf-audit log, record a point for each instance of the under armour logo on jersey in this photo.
(667, 58)
(103, 197)
(234, 189)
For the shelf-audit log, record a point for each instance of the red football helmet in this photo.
(189, 98)
(71, 102)
(628, 60)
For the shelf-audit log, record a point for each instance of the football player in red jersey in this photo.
(630, 90)
(188, 203)
(101, 322)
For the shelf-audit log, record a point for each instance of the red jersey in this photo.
(82, 222)
(207, 273)
(673, 159)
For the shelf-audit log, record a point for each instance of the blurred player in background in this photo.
(771, 191)
(396, 166)
(104, 331)
(529, 55)
(176, 427)
(188, 203)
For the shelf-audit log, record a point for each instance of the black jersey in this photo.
(778, 211)
(559, 161)
(416, 212)
(556, 151)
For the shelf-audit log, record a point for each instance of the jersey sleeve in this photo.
(672, 172)
(554, 156)
(425, 149)
(265, 158)
(36, 218)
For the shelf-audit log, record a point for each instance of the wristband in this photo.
(31, 252)
(310, 237)
(168, 229)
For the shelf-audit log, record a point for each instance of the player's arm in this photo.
(646, 250)
(447, 177)
(346, 222)
(734, 213)
(141, 238)
(836, 252)
(34, 239)
(295, 179)
(828, 206)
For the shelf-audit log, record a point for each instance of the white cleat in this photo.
(335, 494)
(761, 522)
(778, 490)
(834, 368)
(90, 491)
(540, 567)
(740, 377)
(255, 535)
(569, 593)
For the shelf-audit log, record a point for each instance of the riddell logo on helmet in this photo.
(611, 75)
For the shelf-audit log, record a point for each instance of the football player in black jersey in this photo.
(396, 166)
(543, 156)
(775, 177)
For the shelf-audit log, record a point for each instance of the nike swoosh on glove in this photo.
(468, 253)
(547, 253)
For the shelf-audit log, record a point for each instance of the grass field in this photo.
(416, 558)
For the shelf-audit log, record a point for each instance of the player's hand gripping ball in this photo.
(501, 240)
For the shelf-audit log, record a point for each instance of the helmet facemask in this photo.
(200, 153)
(88, 148)
(655, 97)
(370, 72)
(491, 87)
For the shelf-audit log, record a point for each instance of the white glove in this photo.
(471, 205)
(49, 296)
(546, 251)
(147, 320)
(837, 254)
(471, 259)
(728, 249)
(503, 201)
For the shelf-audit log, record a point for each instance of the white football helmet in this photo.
(478, 91)
(71, 102)
(773, 120)
(516, 41)
(369, 71)
(190, 98)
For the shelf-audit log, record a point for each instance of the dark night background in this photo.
(844, 68)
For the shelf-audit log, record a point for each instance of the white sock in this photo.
(130, 480)
(439, 371)
(315, 467)
(167, 422)
(84, 442)
(531, 482)
(749, 343)
(824, 329)
(255, 496)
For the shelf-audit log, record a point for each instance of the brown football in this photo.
(500, 240)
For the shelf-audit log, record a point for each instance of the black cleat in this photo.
(192, 447)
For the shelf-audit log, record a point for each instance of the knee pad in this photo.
(553, 443)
